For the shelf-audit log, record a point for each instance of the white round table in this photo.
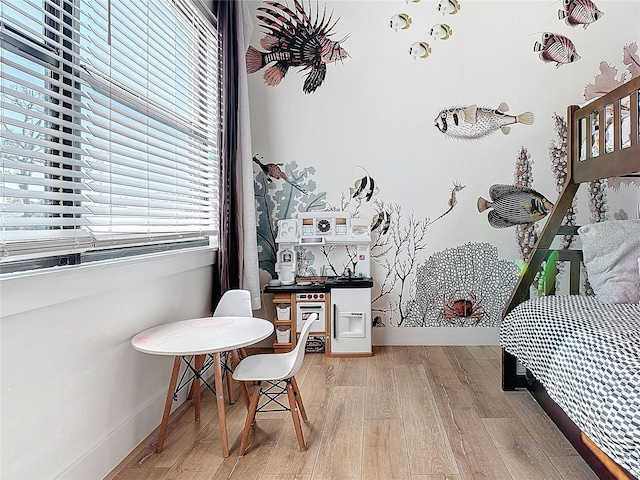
(200, 337)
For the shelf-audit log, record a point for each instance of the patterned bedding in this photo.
(587, 356)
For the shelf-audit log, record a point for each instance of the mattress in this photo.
(586, 354)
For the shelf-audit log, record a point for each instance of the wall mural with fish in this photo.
(475, 122)
(431, 118)
(295, 38)
(438, 31)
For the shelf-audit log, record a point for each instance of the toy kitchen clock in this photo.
(321, 228)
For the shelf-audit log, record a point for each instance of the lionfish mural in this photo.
(293, 39)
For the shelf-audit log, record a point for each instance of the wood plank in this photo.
(487, 396)
(522, 455)
(405, 355)
(181, 432)
(352, 371)
(286, 458)
(540, 426)
(475, 453)
(285, 477)
(382, 397)
(385, 450)
(572, 468)
(428, 449)
(340, 455)
(205, 456)
(436, 477)
(142, 473)
(484, 352)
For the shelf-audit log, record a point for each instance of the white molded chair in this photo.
(275, 369)
(233, 303)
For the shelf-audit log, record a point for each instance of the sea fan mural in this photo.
(463, 286)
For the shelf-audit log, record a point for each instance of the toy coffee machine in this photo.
(317, 229)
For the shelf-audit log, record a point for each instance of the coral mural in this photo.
(279, 200)
(526, 234)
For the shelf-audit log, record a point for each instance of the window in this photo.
(109, 126)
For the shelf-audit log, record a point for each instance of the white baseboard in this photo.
(436, 336)
(104, 457)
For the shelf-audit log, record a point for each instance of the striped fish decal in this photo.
(512, 205)
(556, 48)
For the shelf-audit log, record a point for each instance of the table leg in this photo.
(167, 404)
(199, 361)
(222, 419)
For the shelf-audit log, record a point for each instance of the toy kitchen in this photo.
(342, 301)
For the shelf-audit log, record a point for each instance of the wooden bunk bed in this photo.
(590, 157)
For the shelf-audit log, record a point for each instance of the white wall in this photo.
(76, 397)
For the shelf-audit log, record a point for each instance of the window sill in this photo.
(25, 291)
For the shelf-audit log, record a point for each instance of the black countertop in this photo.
(327, 285)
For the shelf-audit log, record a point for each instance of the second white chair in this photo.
(233, 303)
(274, 370)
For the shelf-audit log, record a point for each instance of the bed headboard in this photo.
(591, 156)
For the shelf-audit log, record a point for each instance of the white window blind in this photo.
(109, 124)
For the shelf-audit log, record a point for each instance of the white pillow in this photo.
(610, 251)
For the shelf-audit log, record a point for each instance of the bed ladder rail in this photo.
(552, 228)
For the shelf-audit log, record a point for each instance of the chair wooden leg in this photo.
(296, 392)
(251, 415)
(227, 375)
(293, 406)
(243, 387)
(199, 361)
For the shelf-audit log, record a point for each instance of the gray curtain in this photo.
(238, 254)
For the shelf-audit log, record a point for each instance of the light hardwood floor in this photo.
(416, 413)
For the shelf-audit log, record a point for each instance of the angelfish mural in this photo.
(512, 205)
(295, 39)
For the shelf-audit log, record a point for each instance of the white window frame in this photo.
(100, 111)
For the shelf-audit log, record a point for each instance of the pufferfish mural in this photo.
(475, 122)
(295, 39)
